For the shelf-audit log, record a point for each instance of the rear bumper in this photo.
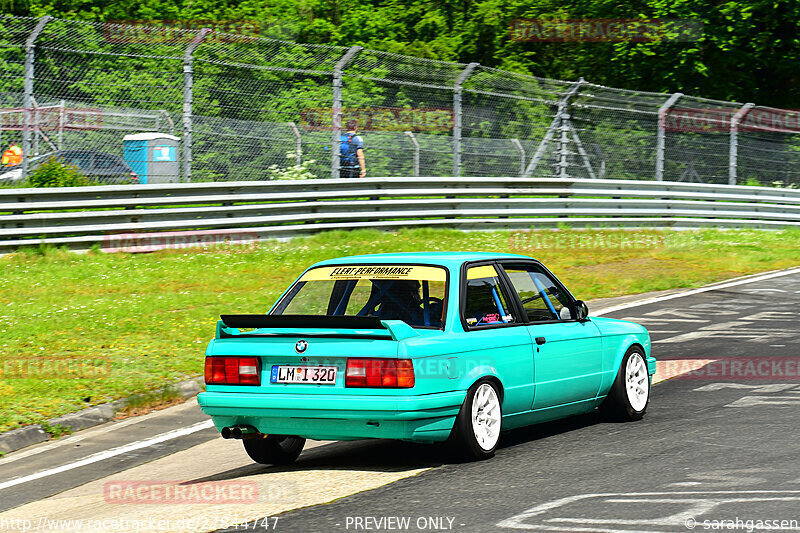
(427, 417)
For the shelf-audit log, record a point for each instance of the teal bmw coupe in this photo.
(422, 347)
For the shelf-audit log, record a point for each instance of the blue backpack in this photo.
(347, 151)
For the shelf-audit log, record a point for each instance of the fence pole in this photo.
(521, 150)
(457, 117)
(733, 153)
(560, 122)
(188, 80)
(563, 145)
(27, 97)
(35, 127)
(662, 132)
(298, 144)
(336, 125)
(61, 111)
(416, 152)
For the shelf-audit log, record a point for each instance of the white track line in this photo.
(174, 434)
(692, 292)
(68, 441)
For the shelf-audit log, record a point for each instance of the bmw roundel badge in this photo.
(301, 346)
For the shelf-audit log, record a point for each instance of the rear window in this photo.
(414, 294)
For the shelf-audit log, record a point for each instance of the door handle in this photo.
(540, 340)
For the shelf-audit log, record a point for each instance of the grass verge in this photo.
(78, 330)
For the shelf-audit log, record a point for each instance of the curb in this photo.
(16, 439)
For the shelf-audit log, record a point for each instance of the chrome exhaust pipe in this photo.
(240, 432)
(245, 432)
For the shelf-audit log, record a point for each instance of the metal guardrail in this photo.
(126, 216)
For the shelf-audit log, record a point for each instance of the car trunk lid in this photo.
(284, 343)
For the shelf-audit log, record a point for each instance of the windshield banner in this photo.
(375, 272)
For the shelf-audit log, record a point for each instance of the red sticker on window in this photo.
(491, 317)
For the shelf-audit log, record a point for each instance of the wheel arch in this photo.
(484, 374)
(613, 358)
(497, 383)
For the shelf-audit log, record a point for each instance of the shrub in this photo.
(298, 171)
(54, 173)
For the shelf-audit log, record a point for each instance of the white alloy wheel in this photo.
(636, 381)
(486, 417)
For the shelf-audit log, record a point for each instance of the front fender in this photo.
(618, 336)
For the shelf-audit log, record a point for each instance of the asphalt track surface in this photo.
(716, 451)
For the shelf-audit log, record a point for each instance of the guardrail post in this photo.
(298, 144)
(336, 125)
(416, 152)
(27, 96)
(561, 123)
(662, 133)
(733, 153)
(188, 78)
(457, 117)
(521, 150)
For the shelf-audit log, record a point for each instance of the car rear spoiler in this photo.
(229, 326)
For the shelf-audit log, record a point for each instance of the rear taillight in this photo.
(386, 373)
(232, 371)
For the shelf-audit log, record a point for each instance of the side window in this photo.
(540, 296)
(484, 303)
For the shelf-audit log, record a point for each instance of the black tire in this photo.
(463, 441)
(618, 406)
(274, 449)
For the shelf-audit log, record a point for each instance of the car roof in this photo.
(447, 259)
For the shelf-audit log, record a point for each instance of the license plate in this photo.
(316, 375)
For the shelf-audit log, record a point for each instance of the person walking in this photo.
(351, 153)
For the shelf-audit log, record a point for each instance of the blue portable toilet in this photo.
(153, 156)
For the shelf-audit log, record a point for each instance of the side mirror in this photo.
(581, 311)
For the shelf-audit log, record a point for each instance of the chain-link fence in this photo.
(246, 108)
